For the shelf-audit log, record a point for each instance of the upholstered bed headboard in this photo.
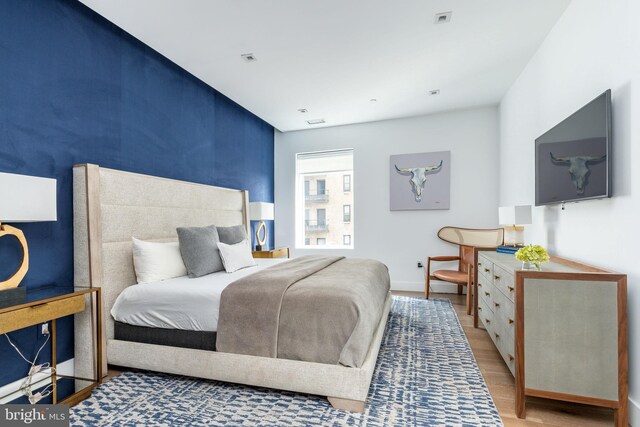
(111, 206)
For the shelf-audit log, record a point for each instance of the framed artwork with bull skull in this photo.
(420, 181)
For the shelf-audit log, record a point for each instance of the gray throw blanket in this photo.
(313, 308)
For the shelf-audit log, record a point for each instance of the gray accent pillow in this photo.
(199, 250)
(232, 235)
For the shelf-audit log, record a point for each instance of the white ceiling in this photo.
(332, 56)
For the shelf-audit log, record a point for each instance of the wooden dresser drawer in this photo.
(506, 347)
(485, 266)
(504, 313)
(503, 281)
(485, 294)
(485, 315)
(25, 317)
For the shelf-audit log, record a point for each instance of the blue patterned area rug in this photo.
(425, 375)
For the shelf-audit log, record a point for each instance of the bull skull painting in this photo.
(578, 168)
(419, 177)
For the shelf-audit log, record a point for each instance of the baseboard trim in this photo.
(436, 286)
(11, 391)
(634, 413)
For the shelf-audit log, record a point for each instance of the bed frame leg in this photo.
(347, 404)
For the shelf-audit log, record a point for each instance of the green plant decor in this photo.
(534, 254)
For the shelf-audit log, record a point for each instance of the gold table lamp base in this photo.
(16, 278)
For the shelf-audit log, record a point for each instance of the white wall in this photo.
(400, 239)
(594, 46)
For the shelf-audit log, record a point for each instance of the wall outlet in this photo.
(420, 264)
(45, 329)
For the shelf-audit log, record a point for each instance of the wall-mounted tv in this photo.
(573, 159)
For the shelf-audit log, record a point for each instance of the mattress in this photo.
(180, 303)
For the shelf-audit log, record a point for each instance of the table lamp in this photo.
(261, 211)
(513, 217)
(23, 199)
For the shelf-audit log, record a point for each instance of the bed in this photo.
(111, 206)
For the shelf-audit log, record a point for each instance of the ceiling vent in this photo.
(315, 121)
(249, 57)
(443, 18)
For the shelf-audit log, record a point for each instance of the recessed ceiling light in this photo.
(434, 92)
(315, 121)
(443, 18)
(302, 110)
(249, 57)
(373, 100)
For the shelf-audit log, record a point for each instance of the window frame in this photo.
(346, 214)
(300, 231)
(346, 183)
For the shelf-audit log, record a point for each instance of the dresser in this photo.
(561, 331)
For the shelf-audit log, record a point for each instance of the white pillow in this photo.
(236, 257)
(155, 261)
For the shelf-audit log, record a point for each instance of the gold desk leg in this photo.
(54, 362)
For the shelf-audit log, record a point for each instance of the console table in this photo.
(561, 331)
(48, 305)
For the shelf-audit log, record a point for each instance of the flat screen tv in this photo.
(573, 159)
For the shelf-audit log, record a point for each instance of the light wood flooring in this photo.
(501, 385)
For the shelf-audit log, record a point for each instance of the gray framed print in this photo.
(420, 181)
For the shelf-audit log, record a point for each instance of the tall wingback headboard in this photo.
(111, 206)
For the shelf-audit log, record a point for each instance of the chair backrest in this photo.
(470, 238)
(475, 237)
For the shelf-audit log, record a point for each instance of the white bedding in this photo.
(180, 303)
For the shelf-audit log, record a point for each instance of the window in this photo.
(321, 187)
(324, 194)
(346, 240)
(346, 213)
(346, 183)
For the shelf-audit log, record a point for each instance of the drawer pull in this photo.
(479, 308)
(487, 321)
(496, 334)
(479, 263)
(510, 321)
(510, 288)
(479, 284)
(39, 305)
(487, 294)
(497, 277)
(510, 357)
(487, 270)
(497, 304)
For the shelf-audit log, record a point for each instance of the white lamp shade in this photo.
(26, 198)
(514, 215)
(261, 211)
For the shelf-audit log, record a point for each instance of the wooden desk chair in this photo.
(467, 239)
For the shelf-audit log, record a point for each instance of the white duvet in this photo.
(180, 303)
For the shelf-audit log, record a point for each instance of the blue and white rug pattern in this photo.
(425, 375)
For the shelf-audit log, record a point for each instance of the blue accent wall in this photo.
(74, 88)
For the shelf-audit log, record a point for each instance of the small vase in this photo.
(526, 265)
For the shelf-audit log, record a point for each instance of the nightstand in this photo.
(273, 253)
(74, 379)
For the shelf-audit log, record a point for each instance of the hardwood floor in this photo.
(540, 412)
(502, 387)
